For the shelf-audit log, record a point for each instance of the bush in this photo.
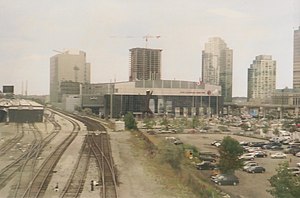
(130, 122)
(171, 154)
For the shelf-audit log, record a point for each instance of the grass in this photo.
(184, 183)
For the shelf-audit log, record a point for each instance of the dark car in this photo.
(257, 144)
(294, 151)
(256, 169)
(205, 165)
(207, 158)
(276, 148)
(224, 179)
(260, 154)
(271, 144)
(212, 154)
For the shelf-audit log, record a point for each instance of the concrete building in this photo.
(20, 111)
(68, 66)
(145, 64)
(178, 98)
(217, 61)
(296, 67)
(261, 79)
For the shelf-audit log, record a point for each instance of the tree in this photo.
(230, 150)
(87, 111)
(284, 184)
(130, 122)
(195, 122)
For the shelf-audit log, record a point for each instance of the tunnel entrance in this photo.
(3, 115)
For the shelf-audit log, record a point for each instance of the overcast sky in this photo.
(106, 29)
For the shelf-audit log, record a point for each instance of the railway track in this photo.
(76, 181)
(94, 146)
(101, 150)
(40, 181)
(9, 144)
(97, 140)
(8, 172)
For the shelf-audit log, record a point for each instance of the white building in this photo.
(67, 66)
(261, 79)
(217, 66)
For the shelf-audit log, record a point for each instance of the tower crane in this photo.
(147, 37)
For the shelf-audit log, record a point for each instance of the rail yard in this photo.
(36, 161)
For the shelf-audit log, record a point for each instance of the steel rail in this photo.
(103, 156)
(41, 180)
(76, 180)
(13, 141)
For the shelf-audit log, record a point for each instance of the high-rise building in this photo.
(217, 66)
(145, 64)
(261, 79)
(68, 66)
(296, 67)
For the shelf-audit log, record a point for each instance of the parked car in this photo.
(297, 154)
(248, 162)
(276, 148)
(291, 150)
(260, 154)
(212, 154)
(298, 164)
(257, 144)
(216, 143)
(207, 158)
(270, 145)
(253, 149)
(294, 170)
(225, 179)
(278, 155)
(247, 156)
(177, 142)
(256, 169)
(246, 167)
(205, 165)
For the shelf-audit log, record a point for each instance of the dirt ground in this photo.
(137, 179)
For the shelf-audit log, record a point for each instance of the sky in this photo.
(31, 30)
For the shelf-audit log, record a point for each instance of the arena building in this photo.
(172, 97)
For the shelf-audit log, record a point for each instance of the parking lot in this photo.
(251, 185)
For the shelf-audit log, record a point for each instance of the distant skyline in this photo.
(106, 30)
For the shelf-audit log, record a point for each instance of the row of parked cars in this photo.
(209, 160)
(252, 150)
(257, 149)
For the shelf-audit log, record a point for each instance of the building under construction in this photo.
(145, 64)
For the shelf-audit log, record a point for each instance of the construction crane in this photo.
(147, 37)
